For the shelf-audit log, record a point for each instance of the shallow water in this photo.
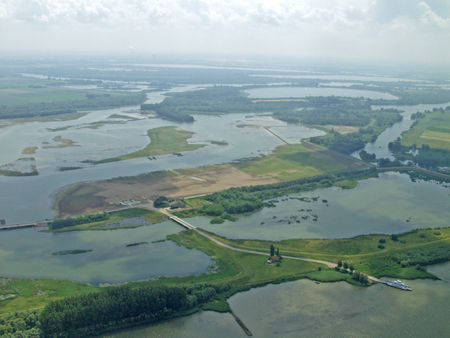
(389, 204)
(28, 254)
(28, 197)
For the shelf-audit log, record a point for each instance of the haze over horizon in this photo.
(378, 30)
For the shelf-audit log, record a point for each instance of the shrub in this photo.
(394, 237)
(345, 265)
(422, 235)
(380, 246)
(340, 264)
(382, 240)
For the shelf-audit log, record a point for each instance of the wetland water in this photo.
(28, 197)
(28, 254)
(390, 204)
(300, 308)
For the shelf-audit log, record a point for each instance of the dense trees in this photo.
(92, 313)
(20, 325)
(65, 107)
(251, 198)
(345, 144)
(424, 257)
(69, 221)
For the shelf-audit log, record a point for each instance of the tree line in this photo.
(435, 255)
(251, 198)
(66, 107)
(72, 221)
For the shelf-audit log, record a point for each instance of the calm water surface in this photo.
(28, 254)
(288, 92)
(306, 309)
(389, 204)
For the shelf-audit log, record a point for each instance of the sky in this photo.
(396, 30)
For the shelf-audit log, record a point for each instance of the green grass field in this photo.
(16, 91)
(31, 294)
(290, 162)
(357, 249)
(433, 130)
(164, 140)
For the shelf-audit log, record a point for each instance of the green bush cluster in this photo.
(69, 221)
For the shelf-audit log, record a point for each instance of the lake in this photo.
(294, 92)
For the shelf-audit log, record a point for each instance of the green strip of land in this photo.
(164, 140)
(64, 143)
(290, 162)
(432, 130)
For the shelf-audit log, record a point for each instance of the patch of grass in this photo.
(33, 294)
(220, 143)
(290, 162)
(164, 140)
(69, 252)
(63, 143)
(17, 173)
(116, 216)
(433, 130)
(331, 275)
(347, 184)
(29, 150)
(136, 244)
(221, 306)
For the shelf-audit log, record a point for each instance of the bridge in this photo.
(183, 223)
(17, 226)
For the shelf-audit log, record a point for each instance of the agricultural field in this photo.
(432, 130)
(23, 90)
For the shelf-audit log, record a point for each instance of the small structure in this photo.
(273, 259)
(2, 222)
(178, 204)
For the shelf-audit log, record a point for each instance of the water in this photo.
(28, 254)
(380, 146)
(28, 198)
(291, 92)
(382, 205)
(306, 309)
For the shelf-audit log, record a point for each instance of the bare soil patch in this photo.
(105, 195)
(342, 129)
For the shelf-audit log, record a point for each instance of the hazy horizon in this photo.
(401, 31)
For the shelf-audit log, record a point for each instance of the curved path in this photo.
(223, 245)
